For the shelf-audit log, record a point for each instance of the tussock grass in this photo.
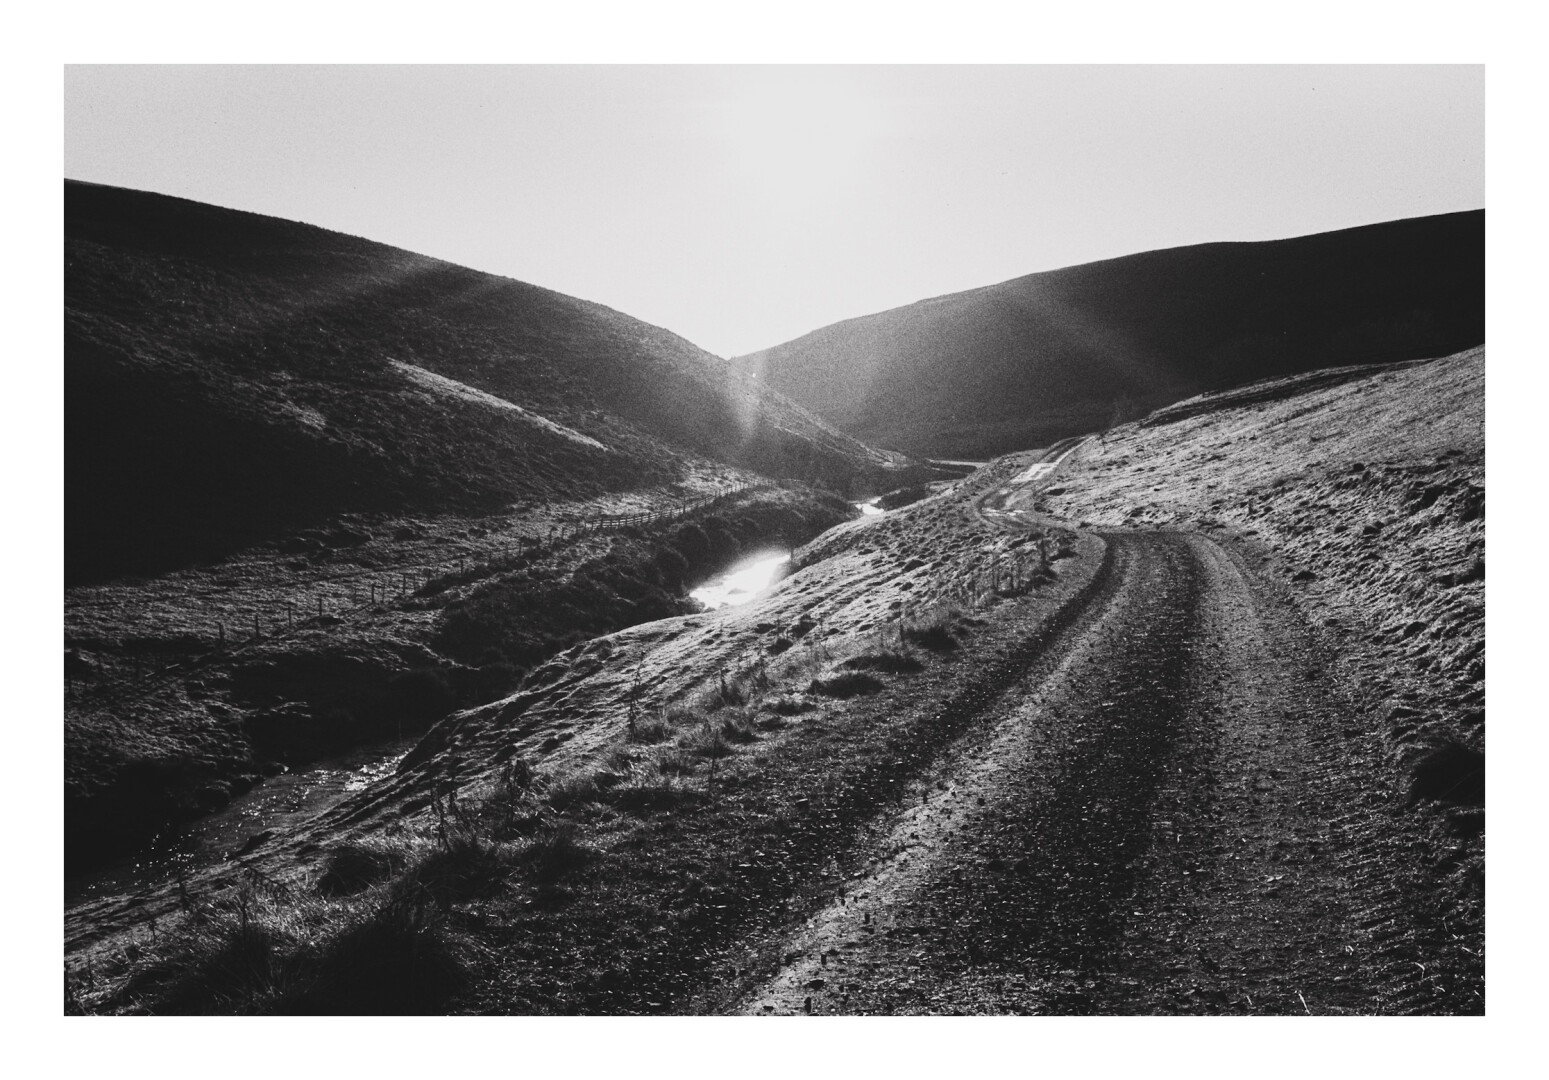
(890, 660)
(354, 867)
(656, 728)
(847, 684)
(652, 792)
(707, 740)
(676, 763)
(726, 694)
(465, 865)
(557, 852)
(378, 932)
(739, 727)
(574, 790)
(790, 704)
(933, 629)
(265, 950)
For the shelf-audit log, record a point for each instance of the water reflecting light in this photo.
(742, 582)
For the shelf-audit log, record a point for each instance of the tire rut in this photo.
(1174, 811)
(967, 889)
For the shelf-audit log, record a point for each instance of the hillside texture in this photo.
(1042, 357)
(1366, 484)
(320, 491)
(1208, 743)
(229, 377)
(1363, 489)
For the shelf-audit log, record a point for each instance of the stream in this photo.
(747, 579)
(283, 801)
(275, 804)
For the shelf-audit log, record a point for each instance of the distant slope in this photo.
(1037, 358)
(230, 376)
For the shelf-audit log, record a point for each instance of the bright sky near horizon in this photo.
(743, 206)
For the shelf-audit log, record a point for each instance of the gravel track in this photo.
(1174, 810)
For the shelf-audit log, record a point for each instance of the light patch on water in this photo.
(742, 582)
(870, 507)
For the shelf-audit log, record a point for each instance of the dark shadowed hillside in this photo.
(1038, 358)
(230, 377)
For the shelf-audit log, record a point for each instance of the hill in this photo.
(1050, 355)
(232, 377)
(1209, 741)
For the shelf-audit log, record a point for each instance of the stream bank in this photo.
(344, 694)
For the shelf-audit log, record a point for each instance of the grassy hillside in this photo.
(1042, 357)
(1364, 490)
(231, 377)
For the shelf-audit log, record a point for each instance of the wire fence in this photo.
(330, 599)
(235, 626)
(990, 575)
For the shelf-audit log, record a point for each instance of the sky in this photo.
(741, 206)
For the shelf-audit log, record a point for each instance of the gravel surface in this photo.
(1172, 813)
(1148, 782)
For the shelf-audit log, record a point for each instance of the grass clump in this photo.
(846, 684)
(264, 949)
(379, 931)
(354, 867)
(885, 659)
(933, 630)
(739, 728)
(574, 790)
(790, 704)
(652, 792)
(463, 866)
(707, 740)
(677, 763)
(656, 728)
(727, 693)
(556, 853)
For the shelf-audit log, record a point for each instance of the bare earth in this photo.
(1171, 813)
(1169, 774)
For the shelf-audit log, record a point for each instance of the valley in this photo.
(1073, 734)
(1107, 641)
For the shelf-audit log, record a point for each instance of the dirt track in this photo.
(1141, 787)
(1174, 811)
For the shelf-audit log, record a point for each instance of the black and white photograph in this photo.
(774, 540)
